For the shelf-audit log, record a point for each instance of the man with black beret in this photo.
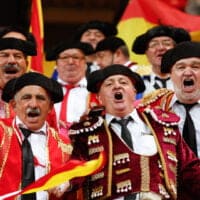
(13, 61)
(29, 147)
(154, 43)
(94, 31)
(146, 158)
(70, 57)
(113, 50)
(183, 65)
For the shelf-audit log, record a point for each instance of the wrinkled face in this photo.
(92, 36)
(104, 58)
(71, 65)
(32, 104)
(117, 94)
(157, 47)
(185, 75)
(13, 63)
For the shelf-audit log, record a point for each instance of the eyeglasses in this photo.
(165, 43)
(73, 57)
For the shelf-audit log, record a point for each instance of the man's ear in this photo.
(99, 99)
(12, 102)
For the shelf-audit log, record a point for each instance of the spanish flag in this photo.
(141, 15)
(72, 169)
(36, 27)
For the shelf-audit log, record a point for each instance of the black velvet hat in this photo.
(28, 48)
(96, 78)
(110, 43)
(33, 78)
(177, 34)
(183, 50)
(53, 53)
(106, 28)
(28, 35)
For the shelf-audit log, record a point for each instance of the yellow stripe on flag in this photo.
(70, 170)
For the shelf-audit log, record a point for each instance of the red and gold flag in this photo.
(36, 27)
(72, 169)
(140, 15)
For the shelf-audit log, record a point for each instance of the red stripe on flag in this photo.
(36, 26)
(159, 12)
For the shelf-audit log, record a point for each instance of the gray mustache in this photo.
(11, 69)
(33, 112)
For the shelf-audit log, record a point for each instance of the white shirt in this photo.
(77, 101)
(149, 84)
(194, 113)
(38, 143)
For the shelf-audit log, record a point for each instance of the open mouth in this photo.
(118, 96)
(9, 69)
(188, 82)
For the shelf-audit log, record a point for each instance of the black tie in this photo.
(189, 133)
(125, 133)
(28, 174)
(163, 82)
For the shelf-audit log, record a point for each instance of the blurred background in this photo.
(60, 18)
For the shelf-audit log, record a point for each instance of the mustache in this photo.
(11, 68)
(33, 112)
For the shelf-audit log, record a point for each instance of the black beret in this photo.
(33, 78)
(28, 35)
(52, 54)
(97, 77)
(28, 48)
(177, 34)
(106, 28)
(110, 43)
(183, 50)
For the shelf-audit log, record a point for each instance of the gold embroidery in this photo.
(171, 156)
(145, 176)
(86, 123)
(165, 115)
(122, 171)
(93, 139)
(97, 192)
(97, 176)
(124, 186)
(5, 148)
(66, 148)
(95, 150)
(121, 158)
(169, 140)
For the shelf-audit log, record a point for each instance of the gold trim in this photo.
(166, 176)
(110, 160)
(122, 171)
(8, 132)
(145, 173)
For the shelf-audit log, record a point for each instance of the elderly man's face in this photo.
(71, 65)
(157, 47)
(117, 94)
(92, 36)
(185, 75)
(32, 104)
(104, 58)
(13, 63)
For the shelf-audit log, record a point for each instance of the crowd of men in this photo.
(97, 100)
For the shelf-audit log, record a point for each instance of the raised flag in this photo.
(72, 169)
(36, 27)
(140, 15)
